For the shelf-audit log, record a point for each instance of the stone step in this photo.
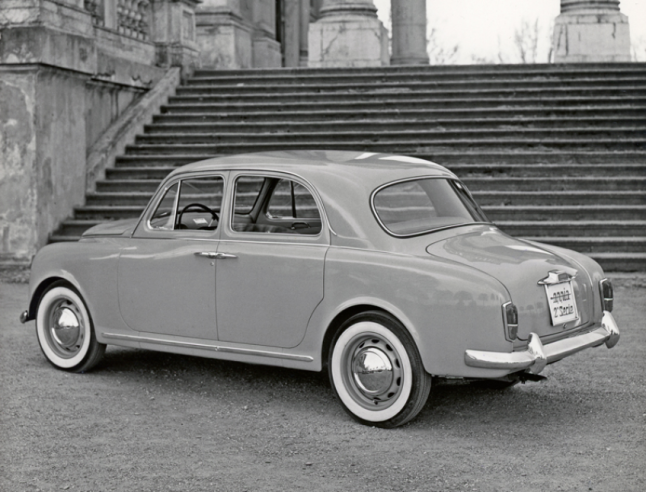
(424, 84)
(593, 244)
(437, 72)
(579, 228)
(444, 157)
(423, 133)
(634, 124)
(546, 183)
(549, 198)
(621, 262)
(102, 213)
(227, 105)
(373, 143)
(497, 213)
(556, 184)
(462, 170)
(623, 114)
(447, 96)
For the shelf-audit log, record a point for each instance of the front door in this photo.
(166, 276)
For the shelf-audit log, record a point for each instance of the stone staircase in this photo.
(555, 153)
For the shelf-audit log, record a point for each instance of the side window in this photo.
(162, 218)
(292, 200)
(190, 204)
(274, 206)
(200, 203)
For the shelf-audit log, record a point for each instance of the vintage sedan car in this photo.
(379, 268)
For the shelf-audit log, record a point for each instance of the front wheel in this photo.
(377, 372)
(65, 331)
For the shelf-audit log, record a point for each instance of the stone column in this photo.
(589, 31)
(409, 32)
(173, 33)
(348, 34)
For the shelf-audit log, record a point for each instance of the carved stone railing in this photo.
(131, 18)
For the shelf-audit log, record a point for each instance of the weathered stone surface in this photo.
(348, 34)
(409, 33)
(18, 194)
(225, 40)
(591, 31)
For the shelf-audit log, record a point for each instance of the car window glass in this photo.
(419, 206)
(293, 200)
(200, 203)
(162, 218)
(247, 191)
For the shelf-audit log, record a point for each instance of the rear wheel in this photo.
(65, 330)
(376, 371)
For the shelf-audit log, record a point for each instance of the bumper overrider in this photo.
(537, 356)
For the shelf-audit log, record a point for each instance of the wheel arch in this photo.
(347, 312)
(43, 287)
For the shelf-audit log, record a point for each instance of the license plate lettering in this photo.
(562, 303)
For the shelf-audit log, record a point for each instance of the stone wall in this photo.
(67, 72)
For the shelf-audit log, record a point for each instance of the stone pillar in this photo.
(224, 34)
(409, 32)
(589, 31)
(265, 49)
(348, 34)
(297, 22)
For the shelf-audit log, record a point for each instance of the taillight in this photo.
(510, 320)
(607, 296)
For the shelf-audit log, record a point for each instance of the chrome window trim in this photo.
(435, 229)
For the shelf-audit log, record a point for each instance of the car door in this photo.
(269, 276)
(166, 277)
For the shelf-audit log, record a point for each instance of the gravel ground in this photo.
(148, 421)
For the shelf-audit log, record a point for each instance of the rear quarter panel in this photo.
(446, 307)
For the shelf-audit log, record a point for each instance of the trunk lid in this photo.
(520, 266)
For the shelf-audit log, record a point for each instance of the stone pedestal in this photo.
(235, 34)
(174, 33)
(348, 34)
(589, 31)
(409, 33)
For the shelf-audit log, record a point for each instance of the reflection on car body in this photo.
(380, 269)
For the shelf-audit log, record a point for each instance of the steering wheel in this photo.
(202, 207)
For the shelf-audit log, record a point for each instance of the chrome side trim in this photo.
(208, 346)
(537, 355)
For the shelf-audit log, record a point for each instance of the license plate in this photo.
(560, 299)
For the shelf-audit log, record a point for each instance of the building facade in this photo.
(71, 69)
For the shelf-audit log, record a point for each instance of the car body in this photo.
(380, 268)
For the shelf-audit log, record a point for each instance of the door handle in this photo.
(224, 256)
(213, 254)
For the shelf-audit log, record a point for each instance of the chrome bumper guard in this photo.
(537, 356)
(24, 316)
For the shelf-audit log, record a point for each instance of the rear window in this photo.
(418, 206)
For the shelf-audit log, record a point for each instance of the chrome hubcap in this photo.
(373, 372)
(65, 328)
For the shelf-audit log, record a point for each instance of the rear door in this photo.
(269, 275)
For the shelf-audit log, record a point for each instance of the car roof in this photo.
(371, 169)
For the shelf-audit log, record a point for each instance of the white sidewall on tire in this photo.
(41, 326)
(366, 327)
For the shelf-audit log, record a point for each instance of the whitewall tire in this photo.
(65, 330)
(376, 371)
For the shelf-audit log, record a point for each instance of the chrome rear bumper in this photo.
(537, 355)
